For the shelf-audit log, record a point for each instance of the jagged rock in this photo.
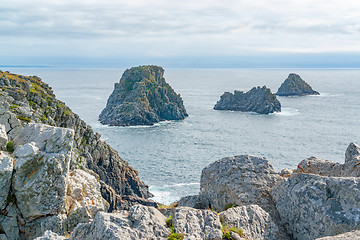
(197, 224)
(9, 223)
(27, 99)
(352, 153)
(239, 180)
(54, 223)
(83, 198)
(295, 86)
(259, 100)
(142, 97)
(140, 223)
(351, 167)
(353, 235)
(193, 201)
(49, 235)
(3, 137)
(42, 165)
(313, 206)
(6, 170)
(253, 220)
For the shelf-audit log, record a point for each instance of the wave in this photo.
(161, 196)
(182, 184)
(288, 112)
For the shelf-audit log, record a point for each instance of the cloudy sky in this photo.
(239, 33)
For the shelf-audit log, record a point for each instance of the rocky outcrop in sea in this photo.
(142, 97)
(258, 99)
(295, 86)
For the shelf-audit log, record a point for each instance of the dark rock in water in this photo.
(259, 100)
(142, 97)
(295, 86)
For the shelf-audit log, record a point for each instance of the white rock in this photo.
(3, 137)
(197, 224)
(352, 153)
(353, 235)
(140, 223)
(49, 235)
(6, 170)
(11, 123)
(253, 220)
(314, 206)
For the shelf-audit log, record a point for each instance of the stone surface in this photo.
(353, 235)
(253, 220)
(259, 100)
(295, 86)
(140, 223)
(142, 97)
(351, 167)
(313, 206)
(42, 165)
(197, 224)
(3, 137)
(6, 170)
(239, 180)
(49, 235)
(193, 201)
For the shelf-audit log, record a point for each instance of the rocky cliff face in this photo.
(28, 99)
(259, 100)
(142, 97)
(295, 86)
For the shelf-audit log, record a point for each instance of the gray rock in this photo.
(353, 235)
(9, 223)
(352, 153)
(37, 228)
(313, 206)
(253, 220)
(49, 235)
(193, 201)
(142, 97)
(295, 86)
(140, 223)
(239, 180)
(3, 137)
(197, 224)
(259, 100)
(6, 170)
(42, 165)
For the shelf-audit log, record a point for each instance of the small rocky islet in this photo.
(142, 97)
(294, 85)
(258, 99)
(58, 180)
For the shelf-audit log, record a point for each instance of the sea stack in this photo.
(258, 99)
(295, 86)
(142, 97)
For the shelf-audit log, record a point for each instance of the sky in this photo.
(180, 33)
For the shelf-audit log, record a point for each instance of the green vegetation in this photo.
(24, 119)
(10, 146)
(229, 205)
(11, 198)
(227, 232)
(13, 106)
(173, 235)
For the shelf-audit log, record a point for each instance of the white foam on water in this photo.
(288, 112)
(161, 196)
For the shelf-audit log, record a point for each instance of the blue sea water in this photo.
(170, 155)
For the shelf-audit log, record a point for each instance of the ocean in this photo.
(170, 156)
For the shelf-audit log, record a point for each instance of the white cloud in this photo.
(177, 28)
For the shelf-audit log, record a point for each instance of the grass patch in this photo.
(10, 146)
(227, 232)
(173, 234)
(13, 106)
(24, 119)
(229, 205)
(171, 206)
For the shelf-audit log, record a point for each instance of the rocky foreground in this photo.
(258, 99)
(295, 86)
(142, 97)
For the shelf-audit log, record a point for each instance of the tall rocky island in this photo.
(142, 97)
(295, 86)
(258, 99)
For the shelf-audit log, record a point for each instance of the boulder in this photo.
(239, 180)
(197, 224)
(313, 206)
(193, 201)
(140, 223)
(253, 220)
(295, 86)
(49, 235)
(42, 156)
(352, 153)
(142, 97)
(259, 100)
(353, 235)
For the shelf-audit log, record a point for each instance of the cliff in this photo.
(295, 86)
(27, 99)
(142, 97)
(259, 100)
